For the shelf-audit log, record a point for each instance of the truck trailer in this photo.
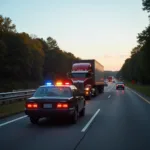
(88, 77)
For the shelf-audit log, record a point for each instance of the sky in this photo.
(104, 30)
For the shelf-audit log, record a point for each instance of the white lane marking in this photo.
(11, 121)
(140, 96)
(90, 121)
(109, 96)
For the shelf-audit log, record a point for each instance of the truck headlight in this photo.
(87, 89)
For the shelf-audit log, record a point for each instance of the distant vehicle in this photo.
(60, 100)
(88, 77)
(120, 85)
(110, 79)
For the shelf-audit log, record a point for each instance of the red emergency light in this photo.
(63, 83)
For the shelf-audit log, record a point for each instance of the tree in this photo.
(144, 36)
(146, 5)
(52, 44)
(25, 59)
(6, 25)
(135, 50)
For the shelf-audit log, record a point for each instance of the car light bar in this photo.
(48, 83)
(62, 83)
(59, 83)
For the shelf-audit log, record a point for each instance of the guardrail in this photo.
(10, 97)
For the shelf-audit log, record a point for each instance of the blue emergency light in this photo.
(48, 83)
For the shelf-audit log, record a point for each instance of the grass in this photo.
(140, 88)
(10, 109)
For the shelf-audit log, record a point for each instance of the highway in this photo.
(114, 120)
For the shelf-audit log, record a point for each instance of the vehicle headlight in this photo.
(87, 89)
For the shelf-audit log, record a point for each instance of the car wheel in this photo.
(82, 113)
(34, 120)
(74, 117)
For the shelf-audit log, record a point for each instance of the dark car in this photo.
(55, 101)
(120, 85)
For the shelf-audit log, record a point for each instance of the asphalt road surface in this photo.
(114, 120)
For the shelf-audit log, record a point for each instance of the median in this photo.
(11, 109)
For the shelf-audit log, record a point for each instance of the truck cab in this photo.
(82, 77)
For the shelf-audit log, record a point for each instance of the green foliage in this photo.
(146, 5)
(137, 66)
(26, 59)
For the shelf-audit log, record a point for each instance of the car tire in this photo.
(82, 113)
(34, 120)
(74, 117)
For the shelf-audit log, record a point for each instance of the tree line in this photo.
(137, 67)
(27, 61)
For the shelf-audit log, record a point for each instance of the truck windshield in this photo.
(79, 75)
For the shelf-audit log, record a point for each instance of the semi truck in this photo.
(88, 77)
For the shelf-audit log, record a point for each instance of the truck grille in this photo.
(80, 86)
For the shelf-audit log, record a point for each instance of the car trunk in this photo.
(47, 102)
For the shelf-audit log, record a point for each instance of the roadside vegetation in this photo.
(144, 89)
(27, 60)
(10, 109)
(137, 67)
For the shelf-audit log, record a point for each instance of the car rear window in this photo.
(53, 92)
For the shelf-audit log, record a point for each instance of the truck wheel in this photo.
(96, 92)
(102, 90)
(34, 120)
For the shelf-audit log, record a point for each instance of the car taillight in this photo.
(32, 105)
(62, 105)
